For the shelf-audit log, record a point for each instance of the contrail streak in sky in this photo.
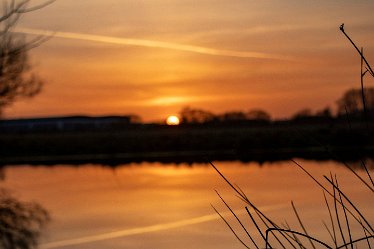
(144, 230)
(151, 44)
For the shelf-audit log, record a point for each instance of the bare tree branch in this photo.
(358, 50)
(16, 78)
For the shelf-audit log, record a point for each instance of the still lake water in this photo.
(152, 205)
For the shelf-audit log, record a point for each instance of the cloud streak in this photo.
(152, 44)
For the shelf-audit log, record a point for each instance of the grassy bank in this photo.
(191, 143)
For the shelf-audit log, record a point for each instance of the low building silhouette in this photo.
(70, 123)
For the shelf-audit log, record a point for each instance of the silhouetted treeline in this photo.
(251, 135)
(350, 106)
(199, 116)
(329, 140)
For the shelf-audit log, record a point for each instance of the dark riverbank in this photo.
(192, 143)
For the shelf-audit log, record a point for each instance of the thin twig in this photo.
(241, 191)
(345, 214)
(331, 220)
(357, 240)
(330, 233)
(298, 233)
(301, 223)
(337, 215)
(243, 197)
(37, 7)
(236, 217)
(229, 226)
(327, 191)
(362, 90)
(275, 225)
(296, 239)
(367, 172)
(358, 50)
(350, 202)
(228, 182)
(337, 159)
(358, 176)
(366, 235)
(255, 223)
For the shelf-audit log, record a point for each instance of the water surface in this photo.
(152, 205)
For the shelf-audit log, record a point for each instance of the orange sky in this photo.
(153, 57)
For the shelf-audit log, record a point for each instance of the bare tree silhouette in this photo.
(352, 101)
(16, 78)
(303, 113)
(20, 222)
(195, 116)
(259, 115)
(233, 116)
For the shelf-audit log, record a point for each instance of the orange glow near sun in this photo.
(172, 120)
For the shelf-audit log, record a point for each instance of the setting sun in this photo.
(172, 120)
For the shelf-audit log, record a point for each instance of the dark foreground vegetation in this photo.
(260, 231)
(246, 141)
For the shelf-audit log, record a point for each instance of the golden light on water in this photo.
(172, 120)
